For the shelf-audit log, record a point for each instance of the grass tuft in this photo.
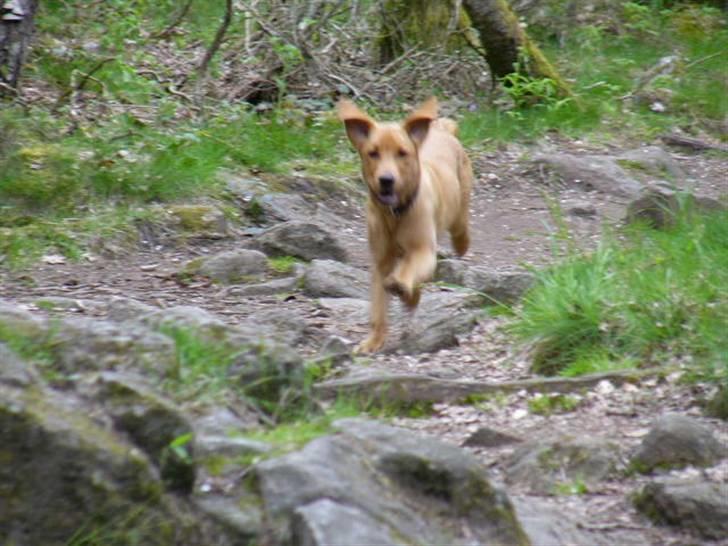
(657, 296)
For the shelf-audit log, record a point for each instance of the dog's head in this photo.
(389, 151)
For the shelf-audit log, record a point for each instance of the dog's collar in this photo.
(399, 210)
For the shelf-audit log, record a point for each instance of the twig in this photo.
(79, 85)
(692, 143)
(215, 45)
(177, 20)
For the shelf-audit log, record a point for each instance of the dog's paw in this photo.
(370, 345)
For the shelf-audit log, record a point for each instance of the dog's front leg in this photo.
(379, 306)
(415, 267)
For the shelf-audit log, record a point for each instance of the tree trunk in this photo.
(16, 30)
(508, 48)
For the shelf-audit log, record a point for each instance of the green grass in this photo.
(656, 297)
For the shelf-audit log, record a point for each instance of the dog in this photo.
(419, 180)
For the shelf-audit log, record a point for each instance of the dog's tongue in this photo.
(390, 199)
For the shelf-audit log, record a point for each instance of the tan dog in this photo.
(419, 180)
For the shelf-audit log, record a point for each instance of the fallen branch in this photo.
(692, 143)
(408, 388)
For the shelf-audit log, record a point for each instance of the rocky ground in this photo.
(564, 466)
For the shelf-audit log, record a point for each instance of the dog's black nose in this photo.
(386, 183)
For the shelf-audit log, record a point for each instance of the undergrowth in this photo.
(644, 297)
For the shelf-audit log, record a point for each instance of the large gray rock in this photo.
(391, 486)
(233, 266)
(201, 323)
(660, 204)
(284, 207)
(84, 344)
(66, 479)
(13, 370)
(498, 286)
(588, 173)
(19, 322)
(332, 279)
(325, 522)
(278, 324)
(153, 423)
(304, 240)
(552, 466)
(675, 441)
(699, 507)
(439, 320)
(652, 161)
(204, 221)
(268, 288)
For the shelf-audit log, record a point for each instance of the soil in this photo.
(512, 226)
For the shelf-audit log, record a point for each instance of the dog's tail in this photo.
(446, 124)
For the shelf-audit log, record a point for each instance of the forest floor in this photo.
(512, 225)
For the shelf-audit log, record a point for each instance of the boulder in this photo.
(675, 441)
(548, 466)
(13, 370)
(66, 479)
(332, 279)
(233, 266)
(81, 344)
(498, 286)
(204, 221)
(155, 425)
(588, 173)
(269, 288)
(304, 240)
(489, 437)
(698, 507)
(383, 485)
(652, 161)
(660, 204)
(438, 321)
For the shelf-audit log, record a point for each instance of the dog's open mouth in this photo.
(389, 199)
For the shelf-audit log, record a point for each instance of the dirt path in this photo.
(512, 226)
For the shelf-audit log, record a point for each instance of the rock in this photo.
(81, 344)
(13, 370)
(653, 161)
(439, 320)
(64, 478)
(353, 310)
(547, 525)
(228, 446)
(153, 424)
(270, 288)
(579, 207)
(325, 522)
(233, 266)
(17, 322)
(698, 507)
(332, 279)
(278, 324)
(589, 173)
(241, 518)
(488, 437)
(392, 484)
(200, 220)
(718, 405)
(200, 323)
(335, 350)
(304, 240)
(499, 286)
(675, 441)
(546, 466)
(59, 303)
(121, 309)
(285, 207)
(659, 205)
(271, 374)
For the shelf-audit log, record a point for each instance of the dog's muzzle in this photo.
(386, 190)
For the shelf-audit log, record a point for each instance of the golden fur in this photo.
(419, 179)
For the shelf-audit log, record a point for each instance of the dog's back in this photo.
(446, 124)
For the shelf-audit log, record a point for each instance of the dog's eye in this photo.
(374, 154)
(402, 152)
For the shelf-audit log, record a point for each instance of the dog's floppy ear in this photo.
(358, 124)
(418, 122)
